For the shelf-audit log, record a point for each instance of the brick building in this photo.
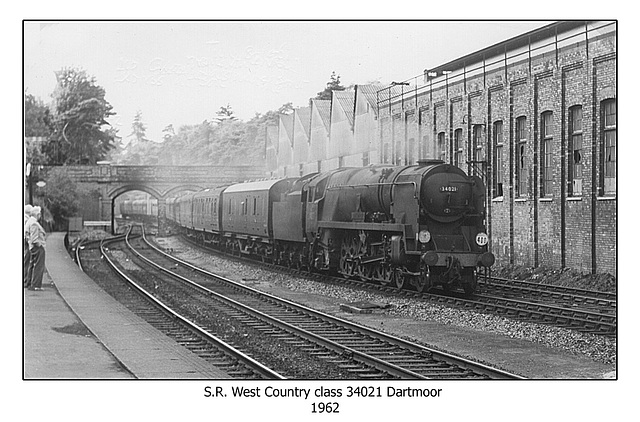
(535, 116)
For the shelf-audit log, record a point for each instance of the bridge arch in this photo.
(113, 194)
(182, 188)
(110, 181)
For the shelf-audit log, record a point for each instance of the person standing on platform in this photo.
(36, 246)
(26, 254)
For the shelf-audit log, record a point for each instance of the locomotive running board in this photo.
(352, 225)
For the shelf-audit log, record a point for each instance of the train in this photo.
(416, 226)
(144, 209)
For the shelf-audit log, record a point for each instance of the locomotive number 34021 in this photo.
(448, 189)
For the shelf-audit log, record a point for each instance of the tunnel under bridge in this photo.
(103, 183)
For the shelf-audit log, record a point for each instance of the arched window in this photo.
(478, 151)
(386, 152)
(442, 147)
(498, 169)
(398, 154)
(575, 151)
(521, 156)
(546, 153)
(457, 147)
(411, 151)
(609, 137)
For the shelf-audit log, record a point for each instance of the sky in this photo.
(182, 72)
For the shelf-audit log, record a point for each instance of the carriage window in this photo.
(255, 205)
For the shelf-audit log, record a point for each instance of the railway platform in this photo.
(72, 329)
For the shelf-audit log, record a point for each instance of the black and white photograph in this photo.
(302, 218)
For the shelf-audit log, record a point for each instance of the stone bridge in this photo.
(106, 182)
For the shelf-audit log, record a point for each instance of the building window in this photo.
(386, 149)
(575, 151)
(442, 147)
(398, 154)
(423, 147)
(457, 147)
(478, 151)
(340, 162)
(300, 169)
(546, 153)
(521, 155)
(411, 151)
(319, 165)
(610, 140)
(499, 154)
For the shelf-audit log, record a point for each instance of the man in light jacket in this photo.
(26, 254)
(36, 247)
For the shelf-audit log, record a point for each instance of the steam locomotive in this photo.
(418, 226)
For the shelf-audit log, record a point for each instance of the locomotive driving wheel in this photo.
(365, 272)
(382, 274)
(348, 252)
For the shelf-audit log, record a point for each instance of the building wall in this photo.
(532, 220)
(530, 225)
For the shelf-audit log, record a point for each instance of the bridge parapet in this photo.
(105, 182)
(164, 174)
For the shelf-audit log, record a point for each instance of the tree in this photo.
(168, 133)
(61, 197)
(80, 113)
(225, 114)
(37, 119)
(138, 128)
(332, 85)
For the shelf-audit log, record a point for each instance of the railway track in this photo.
(580, 310)
(357, 351)
(583, 310)
(210, 348)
